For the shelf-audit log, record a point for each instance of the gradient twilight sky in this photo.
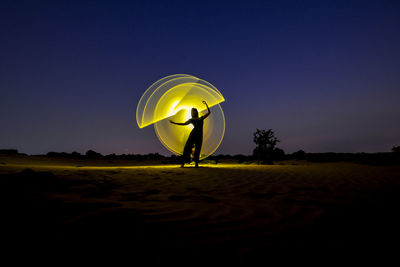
(324, 75)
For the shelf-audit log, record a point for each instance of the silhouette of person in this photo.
(196, 135)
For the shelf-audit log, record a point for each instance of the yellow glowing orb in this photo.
(172, 98)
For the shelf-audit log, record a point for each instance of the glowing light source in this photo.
(172, 98)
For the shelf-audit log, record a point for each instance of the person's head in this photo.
(195, 113)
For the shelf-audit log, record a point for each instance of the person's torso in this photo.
(198, 125)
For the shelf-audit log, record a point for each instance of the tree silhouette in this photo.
(266, 142)
(396, 149)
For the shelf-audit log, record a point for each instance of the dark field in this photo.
(228, 213)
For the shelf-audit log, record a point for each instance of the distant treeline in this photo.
(90, 154)
(10, 152)
(382, 158)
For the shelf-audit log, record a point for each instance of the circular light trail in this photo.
(172, 98)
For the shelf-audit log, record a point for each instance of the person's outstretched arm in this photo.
(208, 111)
(180, 123)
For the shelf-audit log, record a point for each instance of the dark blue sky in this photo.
(324, 75)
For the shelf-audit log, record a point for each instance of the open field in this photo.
(229, 212)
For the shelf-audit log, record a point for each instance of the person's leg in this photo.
(187, 151)
(198, 144)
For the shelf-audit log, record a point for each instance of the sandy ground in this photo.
(230, 213)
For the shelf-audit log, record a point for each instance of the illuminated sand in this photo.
(231, 212)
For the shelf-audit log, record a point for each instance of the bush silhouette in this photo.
(93, 154)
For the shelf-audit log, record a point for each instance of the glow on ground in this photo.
(71, 167)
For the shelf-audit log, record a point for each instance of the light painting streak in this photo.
(172, 98)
